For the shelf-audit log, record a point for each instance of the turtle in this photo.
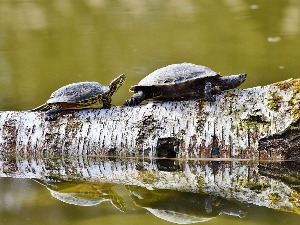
(79, 96)
(183, 81)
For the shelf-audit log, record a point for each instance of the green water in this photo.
(47, 44)
(150, 196)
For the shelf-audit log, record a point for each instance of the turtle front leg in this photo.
(136, 98)
(208, 92)
(106, 100)
(53, 113)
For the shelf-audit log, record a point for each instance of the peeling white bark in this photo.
(228, 128)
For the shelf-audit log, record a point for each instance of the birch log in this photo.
(237, 125)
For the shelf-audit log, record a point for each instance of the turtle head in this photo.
(117, 83)
(232, 81)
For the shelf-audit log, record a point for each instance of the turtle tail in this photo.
(44, 107)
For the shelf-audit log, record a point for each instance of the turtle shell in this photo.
(175, 74)
(78, 92)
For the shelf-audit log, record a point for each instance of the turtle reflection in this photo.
(83, 193)
(183, 207)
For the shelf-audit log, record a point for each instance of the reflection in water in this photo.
(242, 181)
(83, 193)
(287, 172)
(171, 205)
(178, 191)
(183, 207)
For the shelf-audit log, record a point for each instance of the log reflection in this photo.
(218, 187)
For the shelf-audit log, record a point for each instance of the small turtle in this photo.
(182, 82)
(79, 96)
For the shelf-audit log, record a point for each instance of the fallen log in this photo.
(254, 123)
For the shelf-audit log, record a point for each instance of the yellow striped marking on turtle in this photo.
(80, 96)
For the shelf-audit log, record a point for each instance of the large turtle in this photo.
(79, 96)
(182, 82)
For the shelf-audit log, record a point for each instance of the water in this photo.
(44, 45)
(47, 44)
(93, 190)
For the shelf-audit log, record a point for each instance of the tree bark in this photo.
(254, 123)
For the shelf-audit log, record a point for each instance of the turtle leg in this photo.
(208, 92)
(106, 102)
(53, 113)
(136, 98)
